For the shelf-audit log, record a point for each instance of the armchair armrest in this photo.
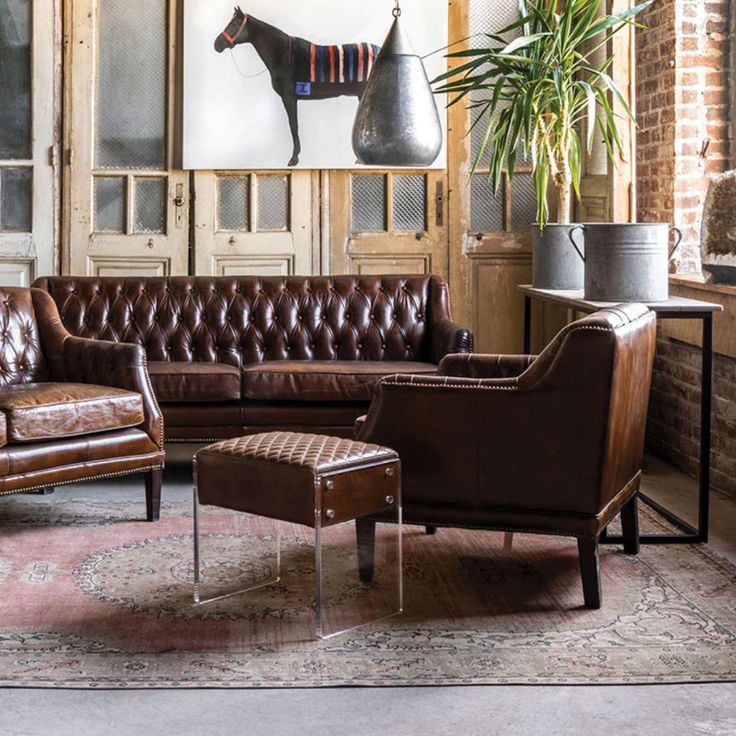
(476, 365)
(120, 365)
(449, 337)
(423, 398)
(358, 425)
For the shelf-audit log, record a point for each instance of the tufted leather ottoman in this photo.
(314, 480)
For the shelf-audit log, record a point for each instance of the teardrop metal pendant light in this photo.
(397, 123)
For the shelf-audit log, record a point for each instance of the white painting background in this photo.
(236, 123)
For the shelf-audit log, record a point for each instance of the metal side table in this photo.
(673, 308)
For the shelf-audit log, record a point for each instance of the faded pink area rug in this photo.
(91, 597)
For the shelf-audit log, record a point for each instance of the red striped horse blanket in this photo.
(348, 64)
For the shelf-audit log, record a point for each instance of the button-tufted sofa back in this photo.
(21, 358)
(242, 320)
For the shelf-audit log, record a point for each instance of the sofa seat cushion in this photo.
(44, 411)
(322, 380)
(3, 430)
(194, 382)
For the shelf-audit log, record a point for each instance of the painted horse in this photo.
(299, 69)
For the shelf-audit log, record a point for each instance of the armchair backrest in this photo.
(241, 320)
(565, 436)
(600, 369)
(21, 354)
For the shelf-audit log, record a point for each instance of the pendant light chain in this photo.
(396, 12)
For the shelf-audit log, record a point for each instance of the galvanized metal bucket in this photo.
(627, 262)
(555, 264)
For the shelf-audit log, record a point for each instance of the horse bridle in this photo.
(232, 39)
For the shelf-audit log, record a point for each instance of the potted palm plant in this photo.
(531, 88)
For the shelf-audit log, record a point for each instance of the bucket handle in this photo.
(575, 245)
(678, 232)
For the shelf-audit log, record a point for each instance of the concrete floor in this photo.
(676, 710)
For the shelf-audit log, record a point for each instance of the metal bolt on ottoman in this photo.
(320, 482)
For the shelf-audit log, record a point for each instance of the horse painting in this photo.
(299, 69)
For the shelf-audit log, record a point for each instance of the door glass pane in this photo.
(486, 16)
(110, 204)
(369, 203)
(273, 202)
(523, 201)
(486, 211)
(478, 134)
(131, 84)
(16, 195)
(150, 205)
(410, 202)
(234, 202)
(15, 79)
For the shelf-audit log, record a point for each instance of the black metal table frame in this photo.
(692, 535)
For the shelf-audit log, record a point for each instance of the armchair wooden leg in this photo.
(630, 526)
(153, 494)
(590, 571)
(431, 530)
(365, 532)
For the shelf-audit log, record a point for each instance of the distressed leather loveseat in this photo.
(229, 356)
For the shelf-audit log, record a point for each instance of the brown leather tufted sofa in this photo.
(71, 409)
(545, 445)
(230, 356)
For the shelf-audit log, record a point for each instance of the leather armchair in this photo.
(71, 409)
(545, 445)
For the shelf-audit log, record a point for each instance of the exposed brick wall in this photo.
(674, 415)
(655, 110)
(682, 103)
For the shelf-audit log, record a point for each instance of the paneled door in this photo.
(388, 222)
(256, 223)
(127, 206)
(490, 236)
(27, 149)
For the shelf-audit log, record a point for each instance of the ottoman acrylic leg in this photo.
(215, 587)
(357, 584)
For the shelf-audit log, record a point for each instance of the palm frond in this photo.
(534, 83)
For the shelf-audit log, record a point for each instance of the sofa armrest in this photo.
(485, 366)
(448, 337)
(116, 364)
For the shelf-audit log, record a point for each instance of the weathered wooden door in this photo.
(490, 237)
(28, 199)
(126, 206)
(258, 222)
(388, 222)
